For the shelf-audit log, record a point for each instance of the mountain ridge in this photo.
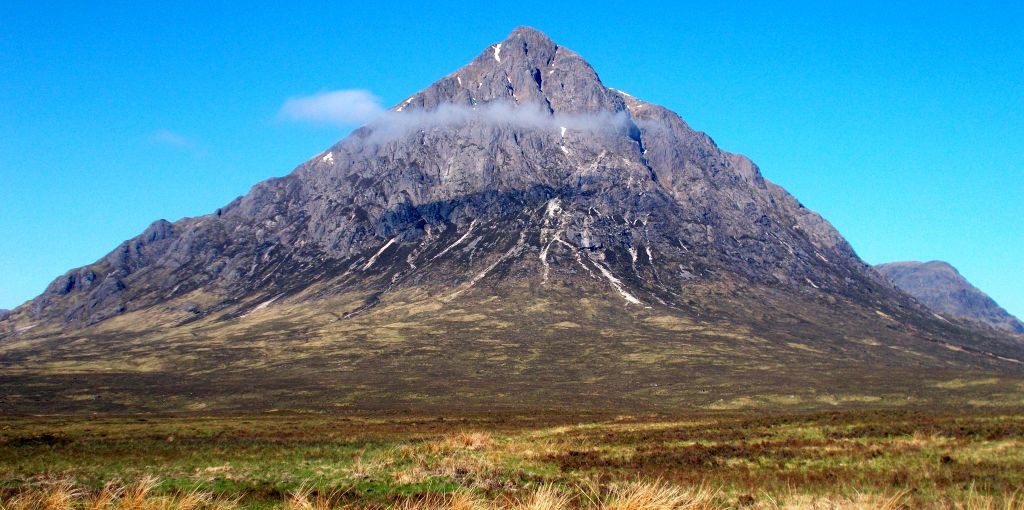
(940, 286)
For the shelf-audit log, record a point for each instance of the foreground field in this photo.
(867, 459)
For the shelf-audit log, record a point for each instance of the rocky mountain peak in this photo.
(524, 141)
(527, 46)
(527, 68)
(532, 36)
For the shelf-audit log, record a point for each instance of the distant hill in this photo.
(939, 286)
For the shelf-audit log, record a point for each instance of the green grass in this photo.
(935, 457)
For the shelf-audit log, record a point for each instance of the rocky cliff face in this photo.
(517, 187)
(940, 286)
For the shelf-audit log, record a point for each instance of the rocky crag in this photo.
(939, 286)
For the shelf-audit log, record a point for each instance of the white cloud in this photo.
(167, 137)
(530, 116)
(336, 107)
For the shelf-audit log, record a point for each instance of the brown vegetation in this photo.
(904, 459)
(655, 495)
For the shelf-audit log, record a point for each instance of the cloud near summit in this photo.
(361, 107)
(336, 107)
(394, 124)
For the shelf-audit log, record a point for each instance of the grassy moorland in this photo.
(852, 459)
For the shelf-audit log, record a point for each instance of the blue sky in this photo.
(902, 125)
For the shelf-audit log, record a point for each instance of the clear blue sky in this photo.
(904, 126)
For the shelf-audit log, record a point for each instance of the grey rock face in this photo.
(940, 286)
(521, 164)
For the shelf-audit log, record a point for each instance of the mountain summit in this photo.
(516, 234)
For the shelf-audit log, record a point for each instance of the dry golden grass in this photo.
(362, 468)
(467, 441)
(453, 501)
(896, 501)
(459, 456)
(657, 495)
(305, 499)
(827, 462)
(545, 498)
(661, 496)
(973, 500)
(978, 501)
(138, 496)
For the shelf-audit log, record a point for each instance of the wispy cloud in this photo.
(362, 107)
(172, 139)
(336, 108)
(530, 116)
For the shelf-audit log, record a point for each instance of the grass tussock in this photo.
(307, 499)
(547, 497)
(64, 495)
(978, 501)
(459, 456)
(455, 501)
(661, 496)
(467, 441)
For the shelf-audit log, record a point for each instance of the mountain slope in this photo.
(515, 234)
(940, 286)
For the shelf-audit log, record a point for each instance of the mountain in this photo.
(516, 235)
(940, 286)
